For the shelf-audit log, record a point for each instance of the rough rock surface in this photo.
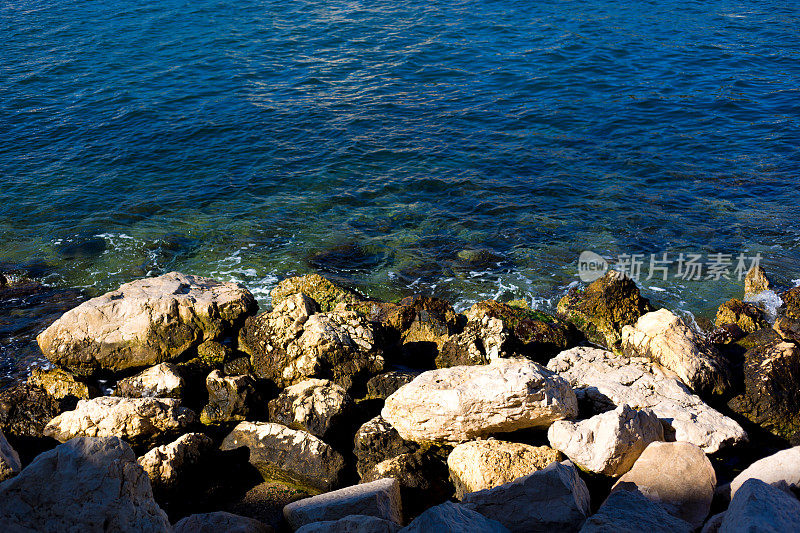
(747, 316)
(377, 441)
(352, 524)
(379, 498)
(59, 384)
(756, 281)
(781, 470)
(85, 485)
(25, 410)
(326, 293)
(788, 329)
(677, 475)
(160, 381)
(485, 464)
(230, 398)
(608, 443)
(465, 402)
(318, 406)
(287, 455)
(144, 322)
(10, 464)
(608, 380)
(771, 397)
(631, 512)
(604, 307)
(384, 385)
(552, 499)
(165, 464)
(220, 522)
(761, 507)
(213, 353)
(453, 518)
(137, 420)
(496, 329)
(293, 342)
(791, 302)
(664, 338)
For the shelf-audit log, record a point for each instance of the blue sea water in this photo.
(468, 149)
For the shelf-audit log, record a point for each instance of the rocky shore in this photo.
(172, 404)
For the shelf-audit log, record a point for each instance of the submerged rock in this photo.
(144, 322)
(10, 464)
(608, 380)
(772, 389)
(86, 484)
(552, 499)
(678, 476)
(160, 381)
(293, 342)
(318, 406)
(602, 309)
(465, 402)
(607, 443)
(140, 421)
(485, 464)
(664, 338)
(288, 455)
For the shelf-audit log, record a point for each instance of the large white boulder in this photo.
(160, 381)
(144, 322)
(761, 507)
(781, 470)
(461, 403)
(609, 380)
(87, 485)
(485, 464)
(137, 420)
(608, 443)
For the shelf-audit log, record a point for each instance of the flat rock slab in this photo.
(453, 518)
(137, 420)
(220, 522)
(90, 485)
(144, 322)
(461, 403)
(631, 512)
(608, 443)
(761, 507)
(552, 499)
(678, 476)
(379, 498)
(609, 380)
(288, 455)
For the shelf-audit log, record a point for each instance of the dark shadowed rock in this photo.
(788, 329)
(230, 398)
(384, 385)
(220, 522)
(631, 512)
(352, 524)
(25, 410)
(377, 441)
(453, 518)
(10, 464)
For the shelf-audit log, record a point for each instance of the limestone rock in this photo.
(219, 522)
(453, 518)
(384, 385)
(326, 293)
(318, 406)
(788, 329)
(631, 512)
(608, 380)
(771, 397)
(59, 384)
(761, 507)
(87, 485)
(485, 464)
(756, 281)
(144, 322)
(229, 398)
(664, 338)
(465, 402)
(137, 420)
(781, 470)
(604, 307)
(677, 475)
(552, 499)
(160, 381)
(10, 464)
(213, 353)
(380, 498)
(352, 524)
(745, 315)
(293, 342)
(496, 329)
(288, 455)
(377, 441)
(608, 443)
(25, 410)
(165, 464)
(791, 302)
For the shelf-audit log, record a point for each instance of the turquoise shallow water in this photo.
(465, 149)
